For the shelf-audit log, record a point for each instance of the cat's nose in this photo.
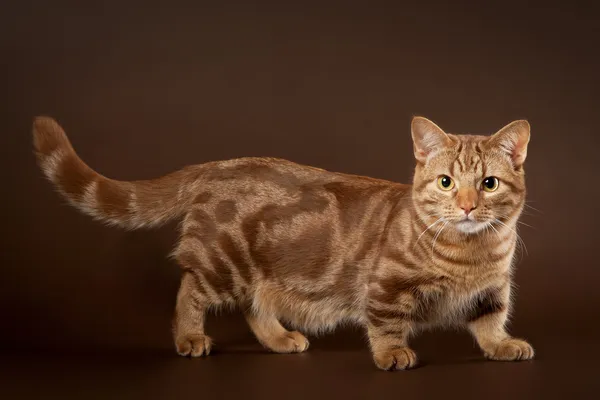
(468, 208)
(467, 199)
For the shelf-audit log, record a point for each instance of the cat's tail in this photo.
(131, 205)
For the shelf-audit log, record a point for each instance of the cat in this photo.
(311, 248)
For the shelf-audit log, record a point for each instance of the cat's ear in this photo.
(513, 140)
(427, 138)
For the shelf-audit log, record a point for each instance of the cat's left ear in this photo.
(513, 140)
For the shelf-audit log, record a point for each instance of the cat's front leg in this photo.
(487, 323)
(388, 338)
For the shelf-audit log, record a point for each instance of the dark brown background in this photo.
(144, 89)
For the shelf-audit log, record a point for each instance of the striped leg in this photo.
(488, 326)
(388, 338)
(271, 334)
(188, 324)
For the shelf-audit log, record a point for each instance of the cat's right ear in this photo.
(427, 138)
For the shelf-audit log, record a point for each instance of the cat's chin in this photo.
(469, 226)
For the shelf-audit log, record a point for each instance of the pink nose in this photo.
(466, 199)
(468, 209)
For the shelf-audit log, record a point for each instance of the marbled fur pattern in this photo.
(314, 249)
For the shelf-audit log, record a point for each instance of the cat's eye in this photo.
(490, 184)
(445, 182)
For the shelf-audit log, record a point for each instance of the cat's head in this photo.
(469, 181)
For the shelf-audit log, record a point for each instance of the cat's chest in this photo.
(467, 268)
(454, 296)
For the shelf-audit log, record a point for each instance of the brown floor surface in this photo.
(336, 366)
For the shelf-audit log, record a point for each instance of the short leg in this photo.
(271, 334)
(487, 323)
(188, 324)
(388, 338)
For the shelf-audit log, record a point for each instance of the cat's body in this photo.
(314, 248)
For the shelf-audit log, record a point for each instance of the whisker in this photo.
(533, 208)
(523, 223)
(436, 236)
(519, 239)
(429, 227)
(517, 221)
(494, 228)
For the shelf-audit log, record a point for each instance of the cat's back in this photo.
(277, 178)
(280, 208)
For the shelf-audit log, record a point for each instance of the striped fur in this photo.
(299, 245)
(127, 204)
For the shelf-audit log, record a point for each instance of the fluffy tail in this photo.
(130, 205)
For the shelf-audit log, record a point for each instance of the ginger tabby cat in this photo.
(312, 248)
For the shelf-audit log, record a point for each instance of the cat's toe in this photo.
(511, 350)
(301, 343)
(290, 342)
(193, 345)
(400, 358)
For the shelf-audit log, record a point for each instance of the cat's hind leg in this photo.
(188, 323)
(271, 334)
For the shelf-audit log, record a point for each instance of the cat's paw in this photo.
(399, 358)
(510, 350)
(290, 342)
(193, 345)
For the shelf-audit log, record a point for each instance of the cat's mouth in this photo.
(468, 218)
(469, 225)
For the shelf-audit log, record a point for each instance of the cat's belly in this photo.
(313, 312)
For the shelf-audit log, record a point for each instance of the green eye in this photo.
(490, 184)
(445, 182)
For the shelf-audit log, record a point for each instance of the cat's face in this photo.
(467, 182)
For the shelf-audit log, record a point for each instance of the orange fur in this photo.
(312, 248)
